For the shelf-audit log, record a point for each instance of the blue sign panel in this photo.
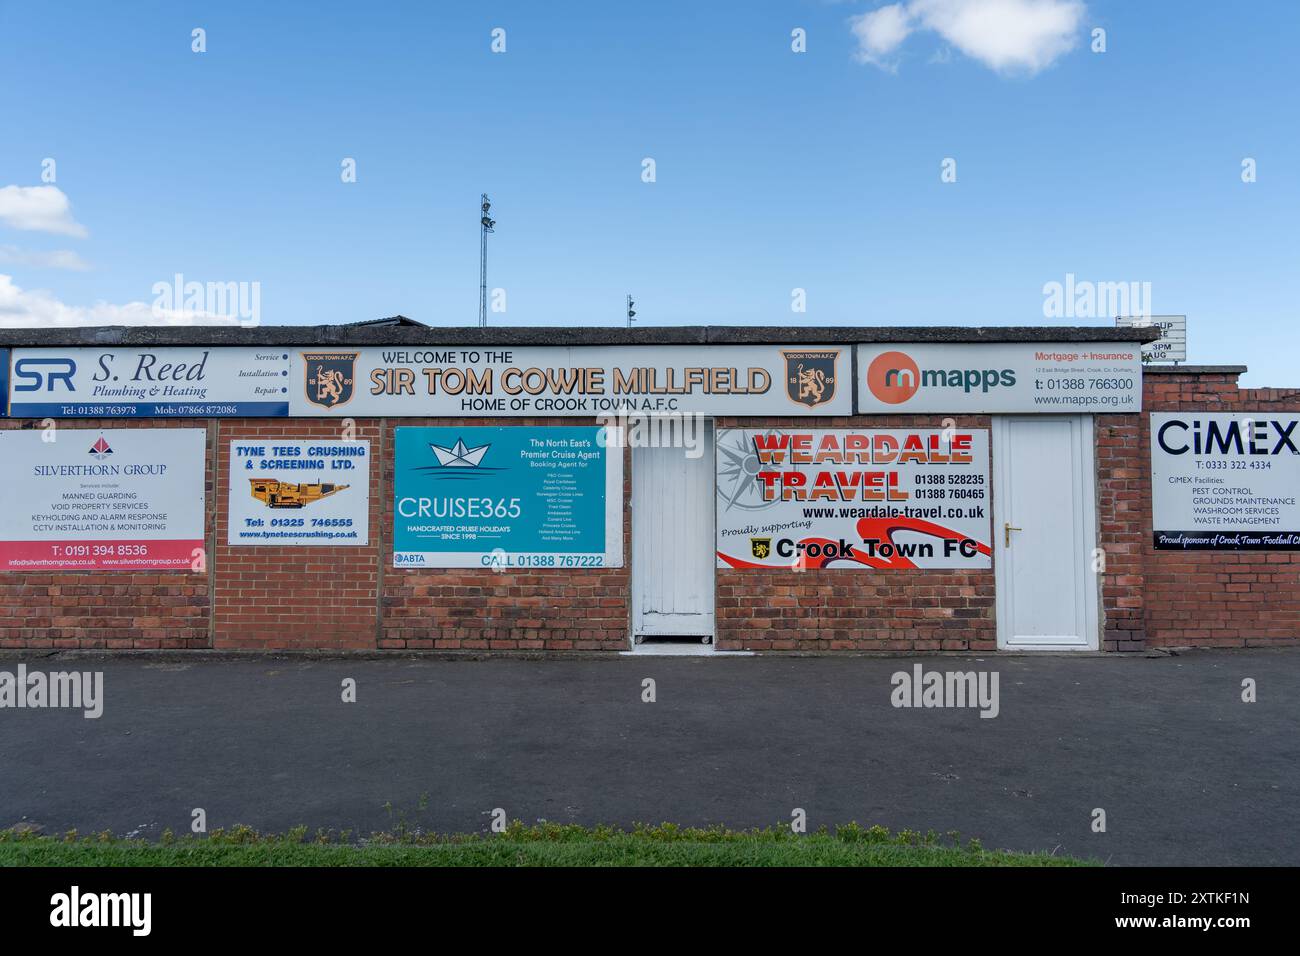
(149, 383)
(508, 498)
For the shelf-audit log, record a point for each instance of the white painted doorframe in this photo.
(1045, 532)
(674, 561)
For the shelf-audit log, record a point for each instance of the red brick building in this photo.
(1054, 492)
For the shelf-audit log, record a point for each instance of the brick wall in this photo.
(1123, 474)
(837, 609)
(314, 598)
(267, 596)
(109, 609)
(334, 597)
(469, 609)
(1216, 598)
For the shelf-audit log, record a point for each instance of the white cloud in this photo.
(39, 209)
(52, 259)
(38, 308)
(1008, 36)
(880, 33)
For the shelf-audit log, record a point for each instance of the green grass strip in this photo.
(519, 845)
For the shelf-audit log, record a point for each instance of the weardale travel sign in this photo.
(1225, 482)
(836, 498)
(1093, 377)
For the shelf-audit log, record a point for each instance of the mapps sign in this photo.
(1000, 377)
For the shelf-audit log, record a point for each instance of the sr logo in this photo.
(43, 373)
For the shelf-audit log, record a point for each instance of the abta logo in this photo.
(100, 449)
(893, 377)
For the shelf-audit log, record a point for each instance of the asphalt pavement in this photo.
(1184, 770)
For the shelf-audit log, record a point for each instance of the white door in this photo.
(1045, 525)
(672, 541)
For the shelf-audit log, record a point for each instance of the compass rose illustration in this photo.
(738, 468)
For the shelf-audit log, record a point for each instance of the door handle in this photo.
(1007, 529)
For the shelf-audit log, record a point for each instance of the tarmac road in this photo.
(1185, 771)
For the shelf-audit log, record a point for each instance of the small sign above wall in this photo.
(1172, 344)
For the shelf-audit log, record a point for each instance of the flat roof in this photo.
(1194, 369)
(394, 331)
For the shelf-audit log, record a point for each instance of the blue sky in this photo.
(775, 170)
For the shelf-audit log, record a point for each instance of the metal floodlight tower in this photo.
(486, 223)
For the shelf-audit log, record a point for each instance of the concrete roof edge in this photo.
(349, 335)
(1194, 369)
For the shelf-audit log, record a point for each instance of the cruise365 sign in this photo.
(835, 498)
(507, 498)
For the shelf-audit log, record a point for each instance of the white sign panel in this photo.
(1000, 377)
(301, 493)
(872, 498)
(1172, 344)
(149, 383)
(102, 500)
(1225, 482)
(584, 381)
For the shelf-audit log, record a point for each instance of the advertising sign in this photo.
(1225, 482)
(1172, 344)
(583, 381)
(1000, 377)
(507, 498)
(149, 383)
(839, 498)
(101, 500)
(299, 492)
(4, 382)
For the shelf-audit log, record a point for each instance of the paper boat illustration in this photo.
(458, 456)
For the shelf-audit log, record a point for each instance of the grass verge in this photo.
(519, 845)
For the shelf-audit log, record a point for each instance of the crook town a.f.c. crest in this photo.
(810, 376)
(329, 377)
